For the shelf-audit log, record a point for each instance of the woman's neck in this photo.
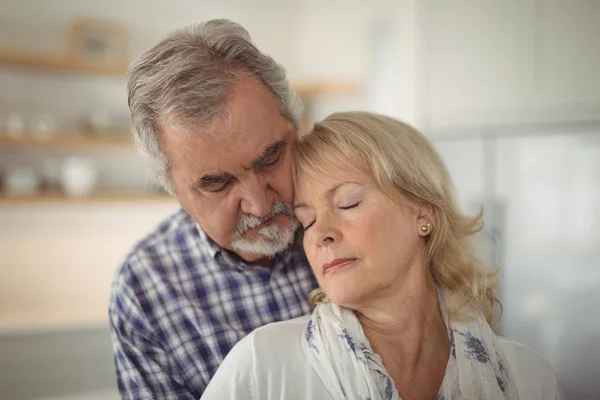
(412, 316)
(407, 330)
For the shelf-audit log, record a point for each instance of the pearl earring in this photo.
(425, 228)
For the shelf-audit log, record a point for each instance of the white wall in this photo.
(57, 259)
(268, 20)
(334, 42)
(464, 63)
(511, 62)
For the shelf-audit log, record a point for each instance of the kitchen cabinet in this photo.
(510, 62)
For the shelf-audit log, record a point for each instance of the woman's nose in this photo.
(326, 231)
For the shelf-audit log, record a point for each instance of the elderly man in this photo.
(217, 121)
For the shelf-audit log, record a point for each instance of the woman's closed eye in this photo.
(348, 207)
(305, 227)
(305, 217)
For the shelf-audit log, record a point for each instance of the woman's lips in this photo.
(336, 264)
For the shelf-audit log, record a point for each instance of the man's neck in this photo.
(267, 262)
(253, 259)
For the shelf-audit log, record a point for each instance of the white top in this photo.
(269, 364)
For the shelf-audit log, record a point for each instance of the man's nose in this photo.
(257, 197)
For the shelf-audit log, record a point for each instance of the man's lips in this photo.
(336, 264)
(267, 222)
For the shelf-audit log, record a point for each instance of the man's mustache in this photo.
(249, 221)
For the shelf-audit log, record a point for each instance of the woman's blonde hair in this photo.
(406, 167)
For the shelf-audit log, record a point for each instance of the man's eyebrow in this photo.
(269, 152)
(209, 180)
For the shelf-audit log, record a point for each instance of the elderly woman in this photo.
(404, 307)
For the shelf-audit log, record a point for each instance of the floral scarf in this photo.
(339, 352)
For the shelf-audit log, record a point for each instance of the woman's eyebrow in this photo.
(330, 192)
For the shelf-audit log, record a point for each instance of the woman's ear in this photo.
(425, 219)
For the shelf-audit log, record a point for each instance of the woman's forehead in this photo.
(326, 181)
(332, 170)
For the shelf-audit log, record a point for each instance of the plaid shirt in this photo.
(179, 303)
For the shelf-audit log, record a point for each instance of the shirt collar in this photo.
(207, 243)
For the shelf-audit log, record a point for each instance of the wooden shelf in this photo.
(58, 64)
(98, 197)
(62, 64)
(336, 88)
(65, 140)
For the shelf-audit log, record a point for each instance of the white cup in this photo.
(78, 176)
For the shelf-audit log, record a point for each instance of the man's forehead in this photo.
(247, 122)
(218, 143)
(225, 157)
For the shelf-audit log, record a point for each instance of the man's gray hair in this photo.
(184, 81)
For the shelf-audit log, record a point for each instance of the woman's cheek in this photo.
(310, 255)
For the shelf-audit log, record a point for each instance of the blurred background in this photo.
(508, 91)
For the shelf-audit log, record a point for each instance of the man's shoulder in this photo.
(173, 237)
(168, 233)
(174, 233)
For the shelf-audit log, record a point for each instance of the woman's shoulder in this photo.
(279, 332)
(260, 360)
(525, 358)
(534, 375)
(277, 340)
